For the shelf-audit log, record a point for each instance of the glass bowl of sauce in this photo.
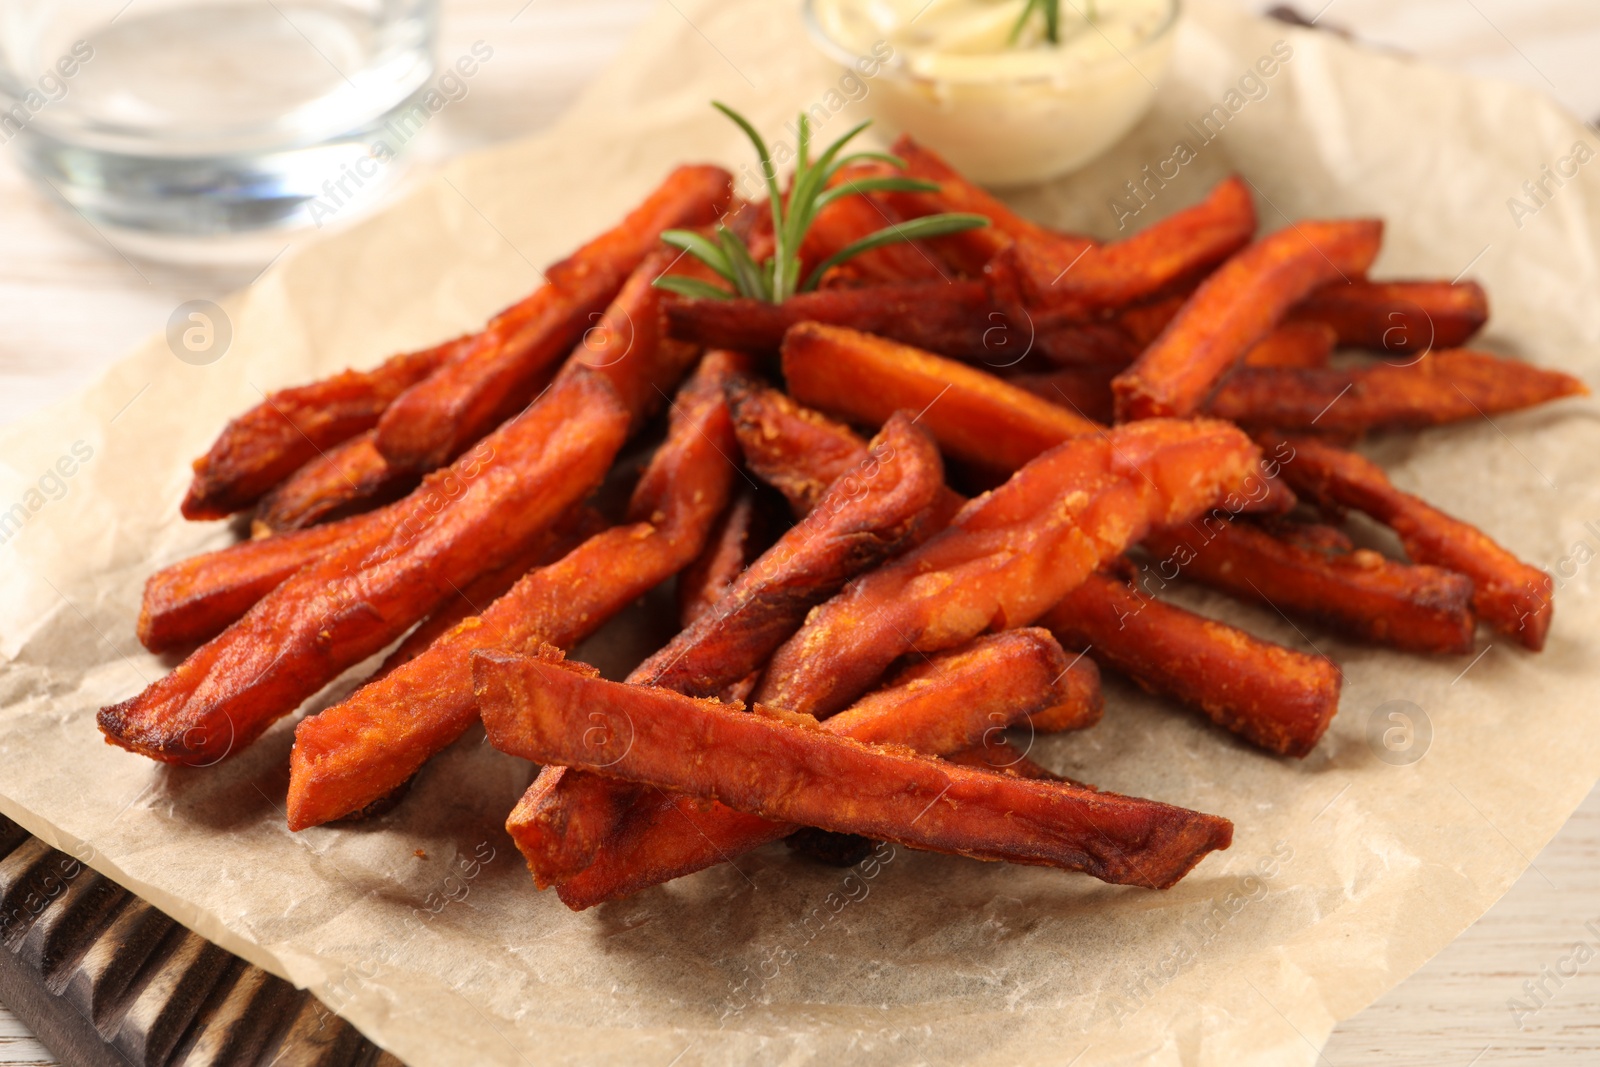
(1005, 107)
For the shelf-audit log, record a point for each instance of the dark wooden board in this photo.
(105, 980)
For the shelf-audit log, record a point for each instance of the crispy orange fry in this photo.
(730, 548)
(369, 589)
(1165, 649)
(1508, 594)
(346, 479)
(580, 524)
(1001, 756)
(1085, 391)
(1078, 704)
(1357, 593)
(357, 751)
(1235, 307)
(955, 700)
(433, 422)
(956, 319)
(290, 427)
(975, 417)
(1011, 554)
(1294, 344)
(1437, 388)
(1048, 274)
(798, 451)
(971, 250)
(1276, 697)
(1398, 316)
(851, 218)
(773, 765)
(868, 515)
(197, 598)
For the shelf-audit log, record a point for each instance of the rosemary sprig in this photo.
(778, 278)
(1051, 9)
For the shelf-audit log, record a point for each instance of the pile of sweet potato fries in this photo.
(1059, 427)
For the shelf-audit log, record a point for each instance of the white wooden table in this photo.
(70, 304)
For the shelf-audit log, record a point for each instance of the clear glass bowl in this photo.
(1013, 119)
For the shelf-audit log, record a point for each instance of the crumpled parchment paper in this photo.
(1349, 869)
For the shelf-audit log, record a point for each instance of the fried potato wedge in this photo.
(1275, 697)
(1509, 595)
(370, 588)
(1400, 316)
(1436, 388)
(974, 416)
(1049, 274)
(291, 427)
(434, 421)
(1237, 306)
(778, 766)
(354, 752)
(1359, 594)
(346, 479)
(1011, 554)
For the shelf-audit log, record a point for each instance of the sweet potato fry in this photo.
(1398, 316)
(1294, 344)
(1049, 274)
(971, 250)
(1078, 703)
(1438, 388)
(1011, 554)
(434, 421)
(346, 479)
(959, 698)
(868, 515)
(851, 218)
(730, 548)
(1508, 594)
(798, 451)
(369, 589)
(771, 764)
(975, 417)
(580, 524)
(1002, 757)
(1273, 696)
(376, 739)
(290, 427)
(1166, 649)
(196, 599)
(1235, 307)
(1359, 594)
(1085, 391)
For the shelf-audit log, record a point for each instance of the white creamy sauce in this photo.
(1008, 111)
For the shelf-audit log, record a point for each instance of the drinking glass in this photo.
(188, 120)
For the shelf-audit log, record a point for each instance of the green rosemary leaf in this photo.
(875, 185)
(748, 279)
(913, 230)
(694, 288)
(702, 248)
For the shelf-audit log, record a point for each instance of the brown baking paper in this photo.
(1349, 869)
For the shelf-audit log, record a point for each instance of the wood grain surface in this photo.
(71, 303)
